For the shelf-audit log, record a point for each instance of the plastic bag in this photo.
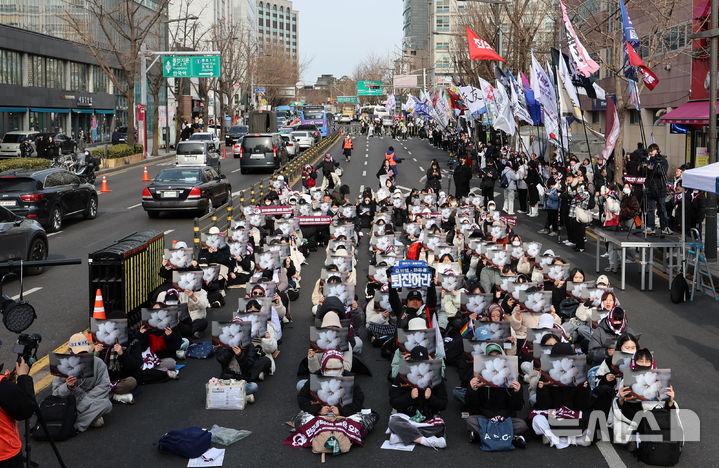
(226, 435)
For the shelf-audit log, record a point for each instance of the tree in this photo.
(374, 67)
(114, 32)
(236, 45)
(601, 31)
(274, 70)
(517, 26)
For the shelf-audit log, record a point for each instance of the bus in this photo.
(318, 116)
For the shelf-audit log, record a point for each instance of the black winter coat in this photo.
(400, 398)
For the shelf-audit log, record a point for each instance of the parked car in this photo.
(48, 196)
(262, 151)
(235, 133)
(11, 141)
(304, 139)
(198, 153)
(23, 239)
(312, 128)
(291, 146)
(186, 188)
(206, 136)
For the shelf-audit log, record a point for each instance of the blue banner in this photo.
(630, 34)
(411, 274)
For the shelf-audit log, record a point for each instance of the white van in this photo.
(198, 153)
(10, 146)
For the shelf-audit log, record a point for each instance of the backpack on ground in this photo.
(190, 442)
(200, 350)
(504, 181)
(664, 452)
(679, 290)
(59, 414)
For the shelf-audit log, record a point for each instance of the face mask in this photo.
(627, 191)
(333, 373)
(516, 243)
(366, 200)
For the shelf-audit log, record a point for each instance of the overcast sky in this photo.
(338, 34)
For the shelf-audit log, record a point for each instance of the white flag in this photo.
(491, 105)
(519, 104)
(545, 95)
(473, 99)
(569, 88)
(505, 118)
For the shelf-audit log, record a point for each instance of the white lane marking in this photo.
(134, 206)
(236, 170)
(421, 169)
(166, 164)
(169, 231)
(234, 194)
(26, 293)
(408, 152)
(414, 159)
(54, 233)
(610, 455)
(365, 163)
(364, 173)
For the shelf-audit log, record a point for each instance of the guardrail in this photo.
(223, 215)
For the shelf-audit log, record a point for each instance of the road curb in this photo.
(144, 162)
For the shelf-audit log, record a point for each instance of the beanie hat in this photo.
(331, 360)
(493, 348)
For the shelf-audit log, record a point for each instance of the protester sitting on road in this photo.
(485, 402)
(608, 375)
(625, 408)
(91, 394)
(574, 403)
(417, 418)
(414, 305)
(605, 335)
(197, 305)
(331, 365)
(122, 367)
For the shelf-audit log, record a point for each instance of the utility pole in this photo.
(711, 208)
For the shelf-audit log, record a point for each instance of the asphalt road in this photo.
(684, 338)
(59, 295)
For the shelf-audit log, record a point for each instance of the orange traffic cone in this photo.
(103, 186)
(146, 176)
(98, 312)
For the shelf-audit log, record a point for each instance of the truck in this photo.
(263, 122)
(348, 114)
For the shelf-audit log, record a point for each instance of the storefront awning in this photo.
(13, 109)
(104, 111)
(82, 111)
(49, 109)
(689, 113)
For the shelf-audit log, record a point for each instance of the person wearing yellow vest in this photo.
(389, 156)
(347, 148)
(17, 401)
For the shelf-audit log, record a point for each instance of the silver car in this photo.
(304, 138)
(22, 239)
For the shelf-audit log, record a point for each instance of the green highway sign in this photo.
(191, 66)
(369, 88)
(347, 99)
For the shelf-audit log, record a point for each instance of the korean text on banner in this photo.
(411, 274)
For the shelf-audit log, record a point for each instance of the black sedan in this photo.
(235, 134)
(47, 195)
(186, 188)
(23, 239)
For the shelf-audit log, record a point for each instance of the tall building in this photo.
(278, 26)
(49, 82)
(416, 29)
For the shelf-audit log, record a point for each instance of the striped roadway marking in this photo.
(26, 293)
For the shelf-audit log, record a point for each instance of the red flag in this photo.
(650, 79)
(480, 49)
